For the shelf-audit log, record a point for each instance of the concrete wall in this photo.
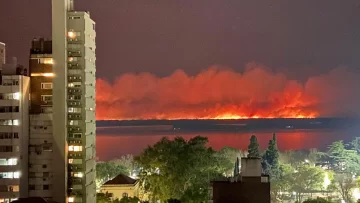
(250, 167)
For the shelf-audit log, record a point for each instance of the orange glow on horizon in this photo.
(220, 93)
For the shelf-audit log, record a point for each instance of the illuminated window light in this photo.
(71, 34)
(71, 199)
(48, 61)
(78, 175)
(16, 96)
(75, 148)
(42, 74)
(15, 122)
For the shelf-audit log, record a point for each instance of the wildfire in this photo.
(224, 94)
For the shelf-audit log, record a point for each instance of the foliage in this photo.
(253, 148)
(344, 184)
(225, 159)
(108, 170)
(355, 145)
(270, 159)
(173, 201)
(178, 169)
(127, 200)
(340, 159)
(299, 157)
(103, 198)
(282, 183)
(307, 179)
(317, 200)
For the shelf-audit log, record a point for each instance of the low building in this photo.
(121, 186)
(249, 187)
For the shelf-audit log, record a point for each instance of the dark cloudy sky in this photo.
(303, 37)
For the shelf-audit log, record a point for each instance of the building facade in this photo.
(250, 186)
(74, 125)
(14, 131)
(41, 139)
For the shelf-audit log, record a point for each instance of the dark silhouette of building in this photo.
(250, 186)
(32, 200)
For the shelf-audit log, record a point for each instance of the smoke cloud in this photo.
(220, 93)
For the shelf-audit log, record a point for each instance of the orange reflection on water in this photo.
(113, 145)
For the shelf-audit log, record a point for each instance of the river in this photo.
(115, 141)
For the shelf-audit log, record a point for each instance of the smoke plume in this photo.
(220, 93)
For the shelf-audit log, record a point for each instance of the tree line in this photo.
(180, 170)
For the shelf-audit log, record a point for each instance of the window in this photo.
(46, 85)
(31, 187)
(7, 109)
(46, 109)
(16, 174)
(74, 84)
(74, 122)
(6, 148)
(9, 122)
(75, 148)
(74, 110)
(10, 175)
(78, 175)
(44, 166)
(72, 34)
(46, 98)
(46, 187)
(72, 59)
(124, 194)
(8, 162)
(46, 174)
(71, 199)
(75, 161)
(46, 61)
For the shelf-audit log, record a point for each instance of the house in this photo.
(121, 186)
(250, 186)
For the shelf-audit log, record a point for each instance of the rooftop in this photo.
(121, 180)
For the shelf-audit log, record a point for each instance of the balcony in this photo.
(74, 65)
(74, 41)
(74, 53)
(74, 91)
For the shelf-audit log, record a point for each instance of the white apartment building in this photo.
(74, 125)
(14, 132)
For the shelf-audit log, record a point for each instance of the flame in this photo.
(218, 93)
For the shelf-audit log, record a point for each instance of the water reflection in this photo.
(113, 142)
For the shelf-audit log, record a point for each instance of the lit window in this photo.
(16, 96)
(71, 199)
(16, 174)
(71, 161)
(71, 34)
(71, 59)
(42, 74)
(46, 61)
(15, 122)
(78, 175)
(12, 162)
(73, 122)
(75, 148)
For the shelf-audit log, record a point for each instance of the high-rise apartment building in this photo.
(73, 51)
(14, 131)
(41, 135)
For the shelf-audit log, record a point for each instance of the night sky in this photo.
(300, 38)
